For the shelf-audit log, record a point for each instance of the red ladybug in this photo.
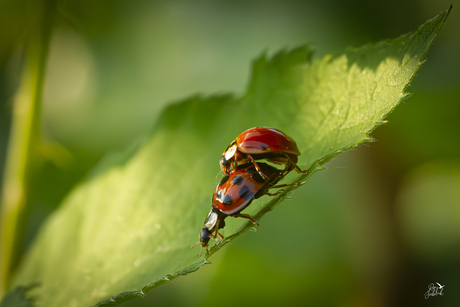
(234, 193)
(261, 143)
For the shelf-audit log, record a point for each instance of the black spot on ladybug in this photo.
(245, 193)
(219, 196)
(264, 147)
(227, 201)
(224, 179)
(237, 179)
(252, 170)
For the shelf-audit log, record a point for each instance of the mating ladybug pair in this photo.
(245, 180)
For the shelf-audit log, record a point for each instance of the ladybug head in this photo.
(224, 162)
(213, 222)
(204, 236)
(228, 156)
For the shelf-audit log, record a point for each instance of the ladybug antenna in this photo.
(218, 173)
(201, 249)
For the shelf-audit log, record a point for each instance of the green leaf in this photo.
(128, 228)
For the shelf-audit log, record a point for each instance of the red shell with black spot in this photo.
(260, 140)
(261, 143)
(240, 186)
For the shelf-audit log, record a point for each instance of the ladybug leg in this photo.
(289, 167)
(221, 237)
(234, 164)
(214, 236)
(280, 176)
(238, 157)
(250, 159)
(287, 185)
(274, 194)
(217, 231)
(217, 234)
(246, 216)
(293, 165)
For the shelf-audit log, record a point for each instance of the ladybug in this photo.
(235, 192)
(261, 143)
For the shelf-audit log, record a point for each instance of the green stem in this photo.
(24, 139)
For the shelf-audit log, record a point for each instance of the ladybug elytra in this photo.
(261, 143)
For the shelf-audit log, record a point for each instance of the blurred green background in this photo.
(375, 228)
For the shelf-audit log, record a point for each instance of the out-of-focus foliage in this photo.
(134, 57)
(432, 233)
(17, 298)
